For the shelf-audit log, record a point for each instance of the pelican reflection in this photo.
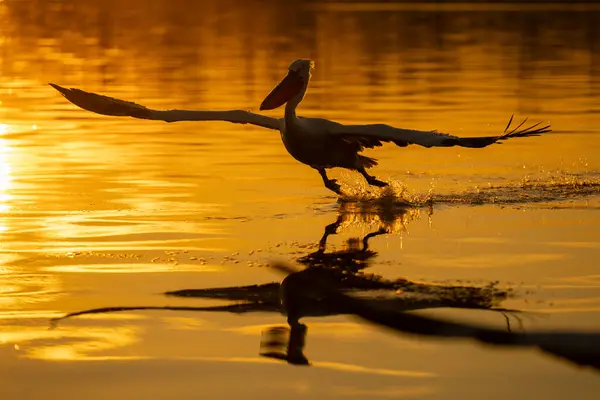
(577, 347)
(343, 268)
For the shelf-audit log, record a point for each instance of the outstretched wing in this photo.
(111, 106)
(404, 137)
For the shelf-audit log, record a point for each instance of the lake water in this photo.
(113, 212)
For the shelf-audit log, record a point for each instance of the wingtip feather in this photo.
(61, 89)
(509, 122)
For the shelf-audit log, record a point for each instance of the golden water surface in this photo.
(103, 211)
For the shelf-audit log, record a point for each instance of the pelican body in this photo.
(310, 140)
(316, 142)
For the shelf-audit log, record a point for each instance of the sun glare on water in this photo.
(5, 172)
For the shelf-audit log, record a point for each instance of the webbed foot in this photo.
(332, 185)
(371, 180)
(377, 182)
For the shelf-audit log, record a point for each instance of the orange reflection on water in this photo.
(20, 289)
(5, 174)
(74, 343)
(98, 343)
(132, 268)
(326, 329)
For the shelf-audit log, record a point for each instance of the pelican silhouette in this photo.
(317, 142)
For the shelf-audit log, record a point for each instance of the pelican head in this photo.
(293, 84)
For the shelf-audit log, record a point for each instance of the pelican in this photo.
(316, 142)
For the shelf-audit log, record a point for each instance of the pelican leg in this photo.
(381, 231)
(371, 179)
(330, 184)
(330, 229)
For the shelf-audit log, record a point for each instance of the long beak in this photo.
(287, 88)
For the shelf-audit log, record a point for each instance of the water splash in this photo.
(529, 191)
(395, 195)
(559, 187)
